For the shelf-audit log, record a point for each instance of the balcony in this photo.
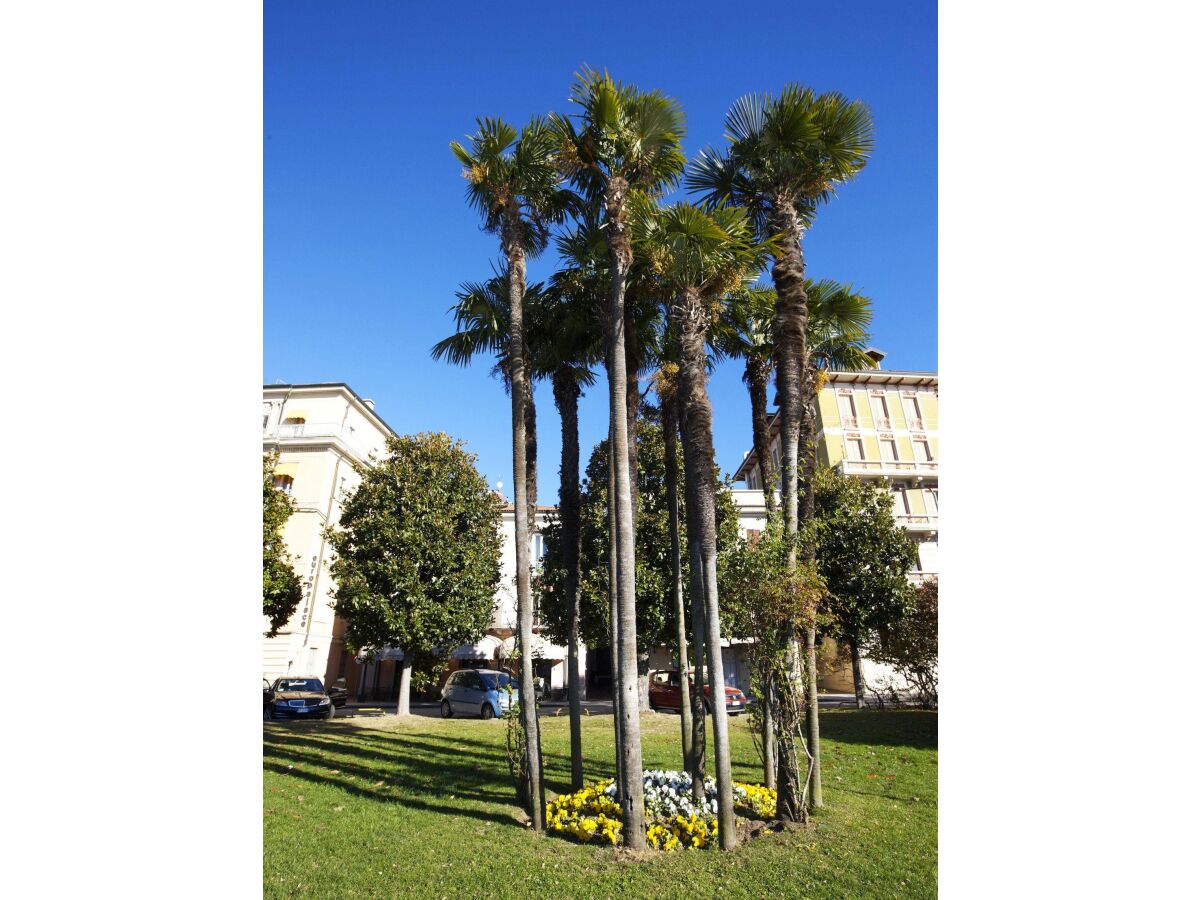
(306, 432)
(918, 523)
(886, 468)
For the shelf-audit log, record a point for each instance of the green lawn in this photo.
(423, 808)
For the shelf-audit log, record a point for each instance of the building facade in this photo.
(320, 432)
(882, 427)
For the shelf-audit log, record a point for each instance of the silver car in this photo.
(478, 692)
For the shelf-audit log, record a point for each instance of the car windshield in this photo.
(495, 682)
(299, 684)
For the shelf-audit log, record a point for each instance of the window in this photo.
(775, 456)
(887, 446)
(539, 548)
(879, 410)
(931, 500)
(854, 449)
(846, 409)
(752, 481)
(912, 409)
(900, 498)
(283, 483)
(924, 454)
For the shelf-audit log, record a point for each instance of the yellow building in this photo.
(882, 427)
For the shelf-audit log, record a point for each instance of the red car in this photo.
(664, 693)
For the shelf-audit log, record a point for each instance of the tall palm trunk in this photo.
(699, 621)
(698, 458)
(531, 457)
(791, 349)
(633, 365)
(521, 521)
(620, 250)
(807, 504)
(566, 398)
(670, 452)
(614, 618)
(758, 372)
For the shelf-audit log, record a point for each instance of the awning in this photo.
(289, 469)
(296, 414)
(484, 648)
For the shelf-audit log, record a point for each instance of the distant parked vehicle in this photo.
(665, 693)
(337, 693)
(298, 698)
(266, 698)
(478, 692)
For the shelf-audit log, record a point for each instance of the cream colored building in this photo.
(320, 432)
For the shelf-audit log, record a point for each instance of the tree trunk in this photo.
(698, 460)
(791, 352)
(671, 451)
(614, 622)
(807, 504)
(521, 520)
(768, 731)
(758, 372)
(699, 622)
(403, 707)
(620, 252)
(531, 459)
(860, 693)
(812, 718)
(566, 398)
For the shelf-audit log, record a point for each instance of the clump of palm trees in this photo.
(643, 287)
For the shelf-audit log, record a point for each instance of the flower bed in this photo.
(674, 819)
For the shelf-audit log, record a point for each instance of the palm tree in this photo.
(514, 183)
(745, 333)
(568, 343)
(627, 140)
(482, 326)
(787, 155)
(699, 258)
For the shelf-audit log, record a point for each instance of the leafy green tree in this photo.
(281, 585)
(788, 154)
(513, 181)
(417, 552)
(865, 558)
(910, 644)
(626, 140)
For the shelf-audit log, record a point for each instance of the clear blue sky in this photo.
(366, 233)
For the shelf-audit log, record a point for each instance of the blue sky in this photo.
(367, 235)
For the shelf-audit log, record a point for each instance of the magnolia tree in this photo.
(865, 558)
(281, 584)
(418, 553)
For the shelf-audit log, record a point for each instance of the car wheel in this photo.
(447, 709)
(266, 714)
(332, 710)
(487, 712)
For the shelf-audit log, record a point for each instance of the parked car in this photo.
(482, 692)
(665, 693)
(298, 698)
(337, 692)
(266, 696)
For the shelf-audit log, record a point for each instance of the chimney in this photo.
(876, 355)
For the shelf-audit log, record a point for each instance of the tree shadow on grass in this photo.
(916, 728)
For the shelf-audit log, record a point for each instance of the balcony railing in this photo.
(919, 523)
(306, 430)
(888, 467)
(849, 421)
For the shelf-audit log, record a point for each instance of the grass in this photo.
(424, 808)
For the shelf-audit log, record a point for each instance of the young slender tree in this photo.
(626, 140)
(699, 258)
(282, 591)
(787, 154)
(514, 183)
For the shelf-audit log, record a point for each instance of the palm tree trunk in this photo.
(698, 459)
(620, 251)
(791, 352)
(521, 522)
(670, 452)
(614, 618)
(633, 365)
(699, 621)
(566, 398)
(807, 504)
(531, 458)
(756, 378)
(768, 730)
